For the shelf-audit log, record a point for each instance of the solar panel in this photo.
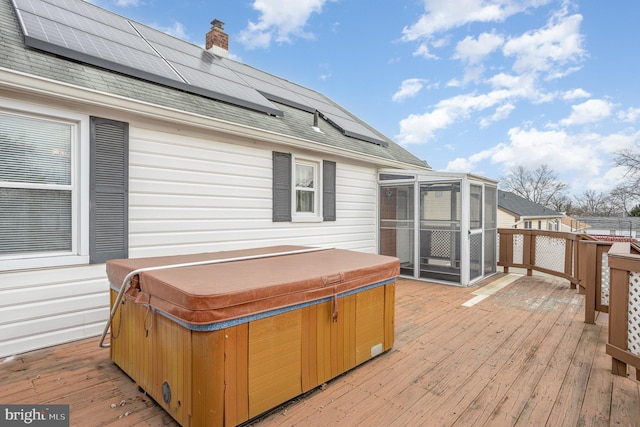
(204, 72)
(336, 115)
(268, 85)
(84, 32)
(305, 99)
(123, 49)
(87, 33)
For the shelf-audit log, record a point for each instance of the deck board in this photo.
(521, 356)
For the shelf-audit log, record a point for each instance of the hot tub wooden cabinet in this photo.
(218, 344)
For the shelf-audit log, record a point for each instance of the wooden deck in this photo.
(521, 356)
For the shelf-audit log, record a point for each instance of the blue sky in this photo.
(474, 86)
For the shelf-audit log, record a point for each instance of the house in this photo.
(517, 212)
(572, 225)
(121, 141)
(610, 228)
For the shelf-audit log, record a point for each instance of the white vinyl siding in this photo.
(41, 308)
(187, 194)
(192, 195)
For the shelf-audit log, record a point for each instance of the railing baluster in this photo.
(624, 308)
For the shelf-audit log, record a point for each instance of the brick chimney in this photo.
(217, 41)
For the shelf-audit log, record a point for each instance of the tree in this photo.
(623, 197)
(539, 186)
(635, 211)
(592, 203)
(561, 203)
(630, 160)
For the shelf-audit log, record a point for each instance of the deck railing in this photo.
(593, 275)
(579, 258)
(607, 273)
(549, 252)
(624, 308)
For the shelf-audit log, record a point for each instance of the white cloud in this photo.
(473, 50)
(280, 21)
(605, 182)
(423, 50)
(588, 112)
(585, 157)
(523, 85)
(442, 42)
(544, 50)
(454, 83)
(443, 15)
(561, 151)
(175, 30)
(469, 164)
(408, 89)
(420, 128)
(575, 94)
(460, 164)
(618, 141)
(501, 113)
(473, 74)
(629, 115)
(127, 3)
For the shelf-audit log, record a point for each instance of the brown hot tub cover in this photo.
(202, 295)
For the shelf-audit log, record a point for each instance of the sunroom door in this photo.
(482, 231)
(476, 235)
(440, 220)
(396, 225)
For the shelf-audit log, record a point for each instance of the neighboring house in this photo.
(573, 225)
(517, 212)
(607, 227)
(121, 141)
(108, 152)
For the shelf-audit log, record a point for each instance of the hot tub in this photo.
(223, 337)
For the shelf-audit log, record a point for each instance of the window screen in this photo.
(36, 192)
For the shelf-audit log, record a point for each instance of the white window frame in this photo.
(316, 215)
(79, 253)
(528, 223)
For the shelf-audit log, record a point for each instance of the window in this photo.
(38, 187)
(539, 225)
(303, 189)
(305, 185)
(527, 224)
(475, 209)
(45, 192)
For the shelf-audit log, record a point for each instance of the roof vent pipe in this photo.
(316, 114)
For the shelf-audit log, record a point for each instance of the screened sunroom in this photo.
(442, 226)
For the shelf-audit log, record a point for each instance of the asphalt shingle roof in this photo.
(611, 223)
(15, 55)
(523, 207)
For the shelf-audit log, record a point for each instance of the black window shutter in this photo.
(109, 190)
(329, 190)
(281, 186)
